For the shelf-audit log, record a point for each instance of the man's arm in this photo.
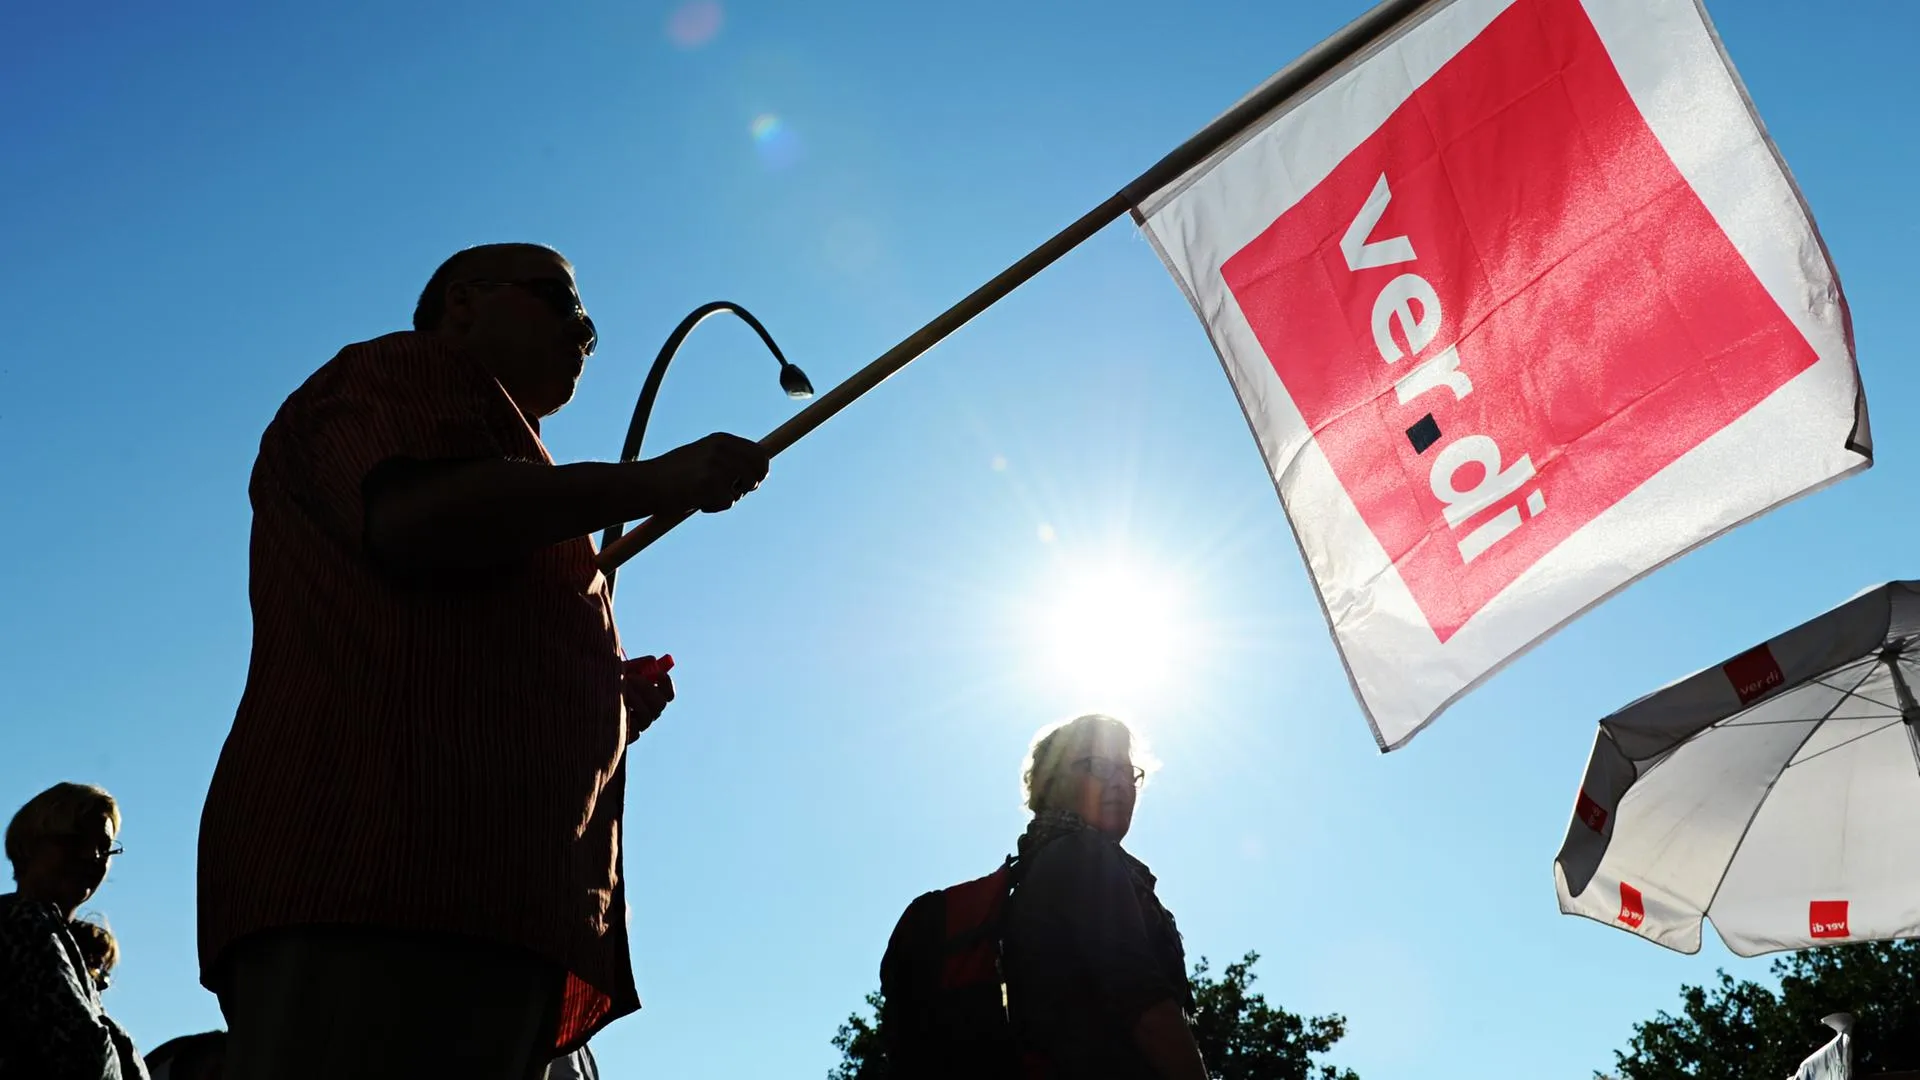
(473, 515)
(1163, 1036)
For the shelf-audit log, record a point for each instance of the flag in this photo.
(1520, 303)
(1834, 1061)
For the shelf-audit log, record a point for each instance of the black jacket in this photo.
(1089, 948)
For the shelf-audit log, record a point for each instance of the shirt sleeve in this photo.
(1089, 894)
(132, 1065)
(399, 398)
(43, 997)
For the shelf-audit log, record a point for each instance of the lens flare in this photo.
(694, 24)
(853, 246)
(775, 141)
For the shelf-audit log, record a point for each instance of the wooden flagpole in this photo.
(1288, 82)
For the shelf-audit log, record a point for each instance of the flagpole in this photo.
(1289, 81)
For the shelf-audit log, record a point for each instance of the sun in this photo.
(1112, 633)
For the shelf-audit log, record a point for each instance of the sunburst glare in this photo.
(1113, 632)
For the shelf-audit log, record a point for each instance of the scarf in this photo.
(1050, 825)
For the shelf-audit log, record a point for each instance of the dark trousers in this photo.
(322, 1003)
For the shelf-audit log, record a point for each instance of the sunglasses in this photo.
(559, 295)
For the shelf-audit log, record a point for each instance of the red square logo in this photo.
(1506, 310)
(1633, 911)
(1827, 919)
(1754, 674)
(1590, 813)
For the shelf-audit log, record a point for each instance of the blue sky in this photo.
(203, 203)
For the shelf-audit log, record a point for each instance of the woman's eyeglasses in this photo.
(88, 846)
(1109, 771)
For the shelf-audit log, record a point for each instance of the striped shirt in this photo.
(436, 756)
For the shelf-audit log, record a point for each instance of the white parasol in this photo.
(1777, 794)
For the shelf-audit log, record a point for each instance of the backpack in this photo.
(944, 998)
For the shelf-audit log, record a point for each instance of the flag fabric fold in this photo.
(1834, 1061)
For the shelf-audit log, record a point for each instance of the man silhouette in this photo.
(410, 853)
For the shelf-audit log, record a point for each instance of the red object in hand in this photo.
(649, 668)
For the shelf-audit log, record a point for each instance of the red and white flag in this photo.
(1520, 303)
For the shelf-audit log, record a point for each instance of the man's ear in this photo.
(457, 314)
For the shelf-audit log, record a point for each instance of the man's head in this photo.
(61, 843)
(1087, 766)
(515, 309)
(189, 1057)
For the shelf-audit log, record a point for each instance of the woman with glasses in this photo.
(51, 1023)
(1096, 977)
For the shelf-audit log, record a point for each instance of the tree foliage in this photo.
(862, 1055)
(1741, 1030)
(1240, 1035)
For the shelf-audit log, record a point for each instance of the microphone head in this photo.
(794, 382)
